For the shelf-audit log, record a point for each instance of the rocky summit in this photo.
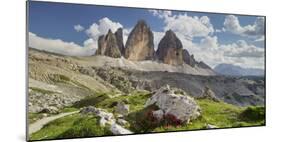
(119, 39)
(139, 45)
(107, 45)
(170, 49)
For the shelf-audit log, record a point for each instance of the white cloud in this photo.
(260, 39)
(189, 26)
(78, 28)
(232, 24)
(184, 24)
(102, 27)
(161, 13)
(60, 47)
(239, 53)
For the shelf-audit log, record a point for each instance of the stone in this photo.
(122, 108)
(159, 114)
(182, 107)
(139, 45)
(107, 45)
(209, 126)
(105, 117)
(170, 49)
(119, 130)
(50, 109)
(122, 122)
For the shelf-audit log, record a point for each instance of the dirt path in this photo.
(36, 126)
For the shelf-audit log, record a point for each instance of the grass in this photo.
(72, 126)
(219, 114)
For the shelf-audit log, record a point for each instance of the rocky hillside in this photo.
(115, 96)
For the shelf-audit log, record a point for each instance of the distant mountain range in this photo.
(233, 70)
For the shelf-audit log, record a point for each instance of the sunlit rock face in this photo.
(107, 45)
(139, 45)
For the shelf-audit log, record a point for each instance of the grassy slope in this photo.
(216, 113)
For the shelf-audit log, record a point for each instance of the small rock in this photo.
(158, 114)
(44, 114)
(122, 108)
(122, 122)
(117, 129)
(209, 126)
(50, 109)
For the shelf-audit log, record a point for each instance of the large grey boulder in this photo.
(139, 45)
(183, 107)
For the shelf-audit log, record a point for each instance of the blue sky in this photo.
(57, 21)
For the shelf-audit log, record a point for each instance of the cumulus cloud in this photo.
(184, 24)
(102, 27)
(260, 39)
(161, 13)
(232, 24)
(239, 53)
(60, 47)
(78, 28)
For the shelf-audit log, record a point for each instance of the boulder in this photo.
(139, 45)
(107, 45)
(176, 106)
(170, 49)
(122, 108)
(105, 117)
(119, 130)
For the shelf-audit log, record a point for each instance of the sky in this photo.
(73, 29)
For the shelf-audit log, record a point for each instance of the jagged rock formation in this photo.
(203, 65)
(119, 38)
(139, 45)
(107, 45)
(186, 56)
(170, 49)
(189, 59)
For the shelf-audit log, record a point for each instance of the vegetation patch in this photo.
(72, 126)
(253, 113)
